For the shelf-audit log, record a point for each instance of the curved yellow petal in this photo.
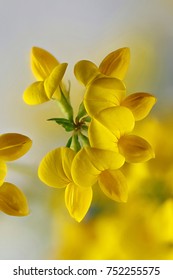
(42, 63)
(103, 93)
(135, 149)
(78, 201)
(90, 162)
(140, 104)
(116, 63)
(3, 171)
(100, 137)
(35, 94)
(52, 82)
(67, 156)
(85, 71)
(13, 146)
(104, 159)
(13, 201)
(84, 173)
(113, 184)
(119, 120)
(51, 169)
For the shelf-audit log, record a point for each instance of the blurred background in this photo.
(74, 30)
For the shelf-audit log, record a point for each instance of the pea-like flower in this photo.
(104, 93)
(113, 132)
(49, 73)
(55, 171)
(115, 64)
(12, 200)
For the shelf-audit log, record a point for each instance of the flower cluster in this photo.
(12, 200)
(102, 138)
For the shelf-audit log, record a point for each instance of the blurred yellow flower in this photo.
(115, 64)
(12, 200)
(55, 171)
(49, 73)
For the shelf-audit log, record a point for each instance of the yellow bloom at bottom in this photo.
(55, 171)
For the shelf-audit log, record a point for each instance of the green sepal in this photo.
(86, 119)
(67, 124)
(68, 145)
(75, 144)
(81, 112)
(84, 140)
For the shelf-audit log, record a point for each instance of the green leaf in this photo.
(67, 124)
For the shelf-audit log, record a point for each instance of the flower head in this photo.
(101, 139)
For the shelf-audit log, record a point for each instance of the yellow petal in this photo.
(35, 94)
(78, 201)
(103, 93)
(85, 71)
(90, 162)
(3, 171)
(113, 184)
(100, 137)
(135, 149)
(42, 63)
(119, 120)
(116, 63)
(13, 201)
(84, 173)
(67, 156)
(13, 146)
(51, 84)
(104, 159)
(140, 104)
(51, 169)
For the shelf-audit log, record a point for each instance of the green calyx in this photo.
(78, 126)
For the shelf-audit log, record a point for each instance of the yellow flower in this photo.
(115, 64)
(49, 73)
(12, 200)
(55, 171)
(92, 165)
(108, 92)
(112, 132)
